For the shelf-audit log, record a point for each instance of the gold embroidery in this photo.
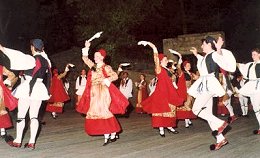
(58, 104)
(167, 114)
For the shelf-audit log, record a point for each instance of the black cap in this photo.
(37, 43)
(209, 39)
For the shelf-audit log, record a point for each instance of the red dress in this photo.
(58, 95)
(103, 122)
(7, 101)
(185, 111)
(162, 103)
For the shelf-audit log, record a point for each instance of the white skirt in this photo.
(80, 90)
(251, 87)
(206, 84)
(39, 91)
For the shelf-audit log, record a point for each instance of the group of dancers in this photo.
(176, 94)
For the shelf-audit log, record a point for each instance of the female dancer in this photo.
(58, 93)
(101, 99)
(6, 100)
(184, 112)
(163, 101)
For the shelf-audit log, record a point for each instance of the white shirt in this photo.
(127, 88)
(81, 87)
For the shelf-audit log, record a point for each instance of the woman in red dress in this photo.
(101, 99)
(184, 112)
(6, 100)
(142, 93)
(163, 101)
(58, 93)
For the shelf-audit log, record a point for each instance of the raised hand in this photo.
(87, 44)
(194, 51)
(178, 54)
(219, 43)
(144, 43)
(71, 65)
(97, 35)
(175, 52)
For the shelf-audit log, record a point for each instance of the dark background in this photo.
(64, 24)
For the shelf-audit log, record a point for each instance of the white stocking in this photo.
(106, 137)
(113, 135)
(3, 131)
(33, 113)
(227, 103)
(23, 106)
(161, 129)
(220, 138)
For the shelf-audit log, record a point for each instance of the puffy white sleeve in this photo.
(226, 60)
(19, 60)
(243, 68)
(77, 83)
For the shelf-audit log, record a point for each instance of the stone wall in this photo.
(183, 43)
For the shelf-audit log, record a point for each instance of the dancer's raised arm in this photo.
(155, 53)
(85, 58)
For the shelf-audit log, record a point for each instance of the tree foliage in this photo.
(115, 18)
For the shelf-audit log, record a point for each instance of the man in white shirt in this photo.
(126, 87)
(81, 83)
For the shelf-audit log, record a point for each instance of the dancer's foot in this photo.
(54, 115)
(219, 145)
(256, 132)
(14, 144)
(30, 146)
(171, 130)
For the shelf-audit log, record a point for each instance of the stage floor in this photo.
(65, 137)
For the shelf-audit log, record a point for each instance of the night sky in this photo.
(55, 21)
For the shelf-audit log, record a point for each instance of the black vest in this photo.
(212, 66)
(187, 76)
(257, 70)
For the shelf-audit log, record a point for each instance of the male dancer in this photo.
(207, 85)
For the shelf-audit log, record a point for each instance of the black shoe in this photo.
(30, 146)
(162, 135)
(3, 136)
(113, 140)
(173, 132)
(247, 116)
